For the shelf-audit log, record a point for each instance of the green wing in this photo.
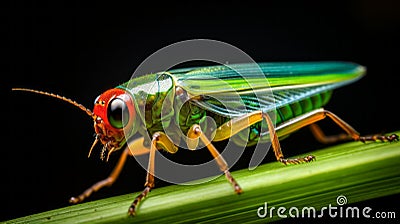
(237, 89)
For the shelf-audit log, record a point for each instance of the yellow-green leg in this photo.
(237, 124)
(319, 114)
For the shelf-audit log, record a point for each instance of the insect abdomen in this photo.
(283, 114)
(303, 106)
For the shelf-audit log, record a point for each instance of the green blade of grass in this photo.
(355, 170)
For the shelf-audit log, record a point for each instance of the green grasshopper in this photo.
(184, 97)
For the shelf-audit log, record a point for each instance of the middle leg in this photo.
(159, 141)
(196, 132)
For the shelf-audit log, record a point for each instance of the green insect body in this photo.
(248, 103)
(300, 88)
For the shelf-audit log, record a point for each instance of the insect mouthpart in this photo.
(107, 149)
(94, 143)
(106, 152)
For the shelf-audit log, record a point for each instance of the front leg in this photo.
(134, 148)
(103, 183)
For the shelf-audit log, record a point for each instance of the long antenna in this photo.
(80, 106)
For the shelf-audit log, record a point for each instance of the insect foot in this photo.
(306, 159)
(136, 202)
(382, 138)
(75, 200)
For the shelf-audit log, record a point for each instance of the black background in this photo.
(78, 51)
